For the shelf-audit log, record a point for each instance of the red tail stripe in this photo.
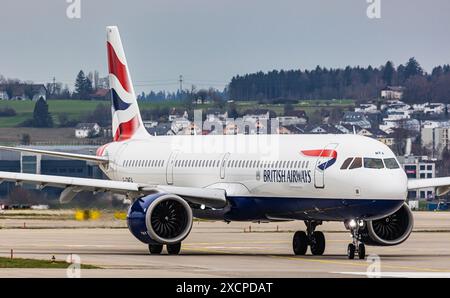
(126, 129)
(320, 153)
(101, 150)
(117, 68)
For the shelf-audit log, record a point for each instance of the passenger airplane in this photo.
(312, 178)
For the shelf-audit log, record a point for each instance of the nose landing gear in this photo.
(356, 247)
(314, 239)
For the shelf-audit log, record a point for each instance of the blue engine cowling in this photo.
(390, 230)
(160, 219)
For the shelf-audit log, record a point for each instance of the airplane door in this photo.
(324, 158)
(223, 165)
(169, 167)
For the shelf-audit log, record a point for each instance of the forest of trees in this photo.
(350, 83)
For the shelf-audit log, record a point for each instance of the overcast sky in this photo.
(209, 41)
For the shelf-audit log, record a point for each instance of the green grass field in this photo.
(24, 109)
(309, 106)
(77, 109)
(33, 263)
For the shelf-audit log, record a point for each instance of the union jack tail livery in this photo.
(126, 118)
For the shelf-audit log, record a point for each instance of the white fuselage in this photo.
(259, 165)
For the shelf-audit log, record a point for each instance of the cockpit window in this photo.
(357, 163)
(373, 163)
(346, 163)
(391, 163)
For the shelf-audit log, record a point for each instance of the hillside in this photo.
(75, 109)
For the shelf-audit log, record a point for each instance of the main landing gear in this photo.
(356, 247)
(314, 239)
(172, 249)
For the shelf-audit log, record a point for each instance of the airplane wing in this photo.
(93, 158)
(442, 185)
(214, 198)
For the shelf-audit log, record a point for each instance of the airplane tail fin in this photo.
(126, 118)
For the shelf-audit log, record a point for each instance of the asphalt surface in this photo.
(216, 249)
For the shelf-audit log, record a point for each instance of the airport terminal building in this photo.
(46, 165)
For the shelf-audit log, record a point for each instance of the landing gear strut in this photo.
(357, 246)
(314, 239)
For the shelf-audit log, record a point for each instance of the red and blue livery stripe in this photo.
(117, 68)
(325, 153)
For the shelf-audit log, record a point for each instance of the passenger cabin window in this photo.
(346, 163)
(357, 163)
(391, 163)
(373, 163)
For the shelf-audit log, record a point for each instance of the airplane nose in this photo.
(391, 185)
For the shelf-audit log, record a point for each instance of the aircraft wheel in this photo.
(361, 251)
(351, 251)
(317, 243)
(173, 249)
(300, 243)
(155, 249)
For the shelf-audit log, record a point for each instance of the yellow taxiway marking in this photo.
(361, 263)
(250, 242)
(233, 242)
(364, 264)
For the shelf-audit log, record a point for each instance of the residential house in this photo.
(87, 130)
(149, 123)
(293, 118)
(290, 120)
(179, 124)
(397, 106)
(380, 135)
(231, 128)
(430, 108)
(256, 115)
(299, 114)
(101, 94)
(366, 108)
(216, 115)
(388, 126)
(392, 92)
(192, 129)
(322, 129)
(357, 119)
(291, 129)
(22, 91)
(397, 115)
(387, 139)
(434, 109)
(177, 114)
(162, 129)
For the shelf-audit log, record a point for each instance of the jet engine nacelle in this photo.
(389, 230)
(160, 219)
